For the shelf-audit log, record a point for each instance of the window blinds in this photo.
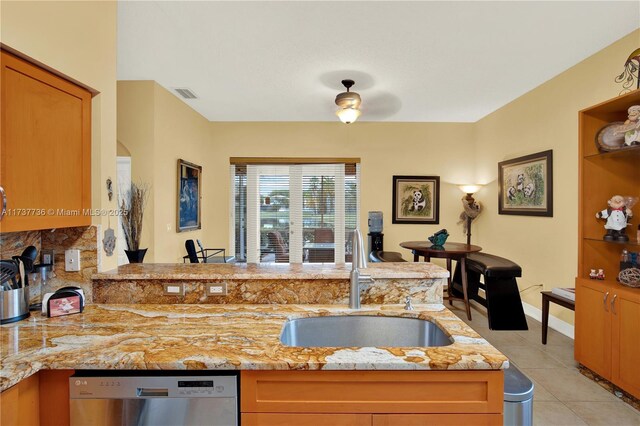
(294, 212)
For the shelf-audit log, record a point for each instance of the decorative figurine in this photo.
(439, 238)
(109, 188)
(593, 274)
(616, 215)
(109, 241)
(600, 274)
(631, 128)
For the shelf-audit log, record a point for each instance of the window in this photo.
(294, 211)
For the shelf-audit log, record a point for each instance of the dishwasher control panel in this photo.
(134, 387)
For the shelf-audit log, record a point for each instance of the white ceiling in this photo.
(412, 61)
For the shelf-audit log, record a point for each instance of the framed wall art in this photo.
(525, 185)
(189, 196)
(416, 199)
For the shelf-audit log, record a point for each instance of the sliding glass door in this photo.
(294, 213)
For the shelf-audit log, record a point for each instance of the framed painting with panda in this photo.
(525, 185)
(416, 199)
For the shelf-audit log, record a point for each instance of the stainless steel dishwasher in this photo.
(137, 400)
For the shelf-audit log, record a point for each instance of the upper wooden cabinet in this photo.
(45, 151)
(607, 313)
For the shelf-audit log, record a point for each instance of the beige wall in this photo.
(545, 118)
(77, 39)
(136, 134)
(158, 129)
(176, 131)
(385, 149)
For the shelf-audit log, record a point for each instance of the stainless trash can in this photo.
(518, 398)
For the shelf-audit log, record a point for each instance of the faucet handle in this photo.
(407, 304)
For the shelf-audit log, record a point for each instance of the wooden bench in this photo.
(503, 303)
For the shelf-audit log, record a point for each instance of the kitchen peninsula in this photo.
(463, 377)
(266, 283)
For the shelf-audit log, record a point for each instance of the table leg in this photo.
(449, 281)
(416, 256)
(545, 318)
(463, 274)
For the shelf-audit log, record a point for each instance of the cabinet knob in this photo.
(4, 203)
(613, 303)
(604, 301)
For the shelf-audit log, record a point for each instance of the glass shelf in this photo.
(629, 243)
(633, 151)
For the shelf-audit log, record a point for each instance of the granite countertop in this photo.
(220, 337)
(240, 271)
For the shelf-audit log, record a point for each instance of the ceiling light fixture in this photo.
(349, 103)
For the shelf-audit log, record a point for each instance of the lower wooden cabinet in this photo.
(436, 419)
(38, 400)
(377, 398)
(301, 419)
(608, 331)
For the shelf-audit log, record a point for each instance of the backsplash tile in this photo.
(84, 239)
(14, 243)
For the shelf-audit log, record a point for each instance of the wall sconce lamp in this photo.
(471, 211)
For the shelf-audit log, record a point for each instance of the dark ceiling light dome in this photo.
(349, 103)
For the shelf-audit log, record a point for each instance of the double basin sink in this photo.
(362, 331)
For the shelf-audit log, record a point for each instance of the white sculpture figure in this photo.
(631, 127)
(616, 215)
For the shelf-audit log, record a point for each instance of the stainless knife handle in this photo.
(4, 203)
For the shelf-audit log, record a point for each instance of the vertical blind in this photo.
(294, 212)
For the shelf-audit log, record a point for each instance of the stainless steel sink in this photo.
(362, 331)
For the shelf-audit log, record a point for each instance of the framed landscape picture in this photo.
(525, 185)
(189, 194)
(416, 199)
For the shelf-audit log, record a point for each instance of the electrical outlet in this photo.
(72, 260)
(173, 289)
(216, 289)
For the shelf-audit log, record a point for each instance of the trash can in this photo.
(518, 398)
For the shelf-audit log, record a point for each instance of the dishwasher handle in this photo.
(152, 392)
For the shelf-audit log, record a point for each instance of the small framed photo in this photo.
(416, 199)
(189, 196)
(525, 185)
(65, 306)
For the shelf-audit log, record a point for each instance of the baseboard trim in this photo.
(554, 322)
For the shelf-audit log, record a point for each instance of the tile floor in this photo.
(562, 395)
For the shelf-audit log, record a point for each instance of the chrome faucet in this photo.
(359, 261)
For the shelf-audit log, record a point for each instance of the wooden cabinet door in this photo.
(20, 404)
(625, 315)
(437, 419)
(46, 148)
(303, 419)
(593, 326)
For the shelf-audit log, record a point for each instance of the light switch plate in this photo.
(216, 289)
(173, 289)
(72, 260)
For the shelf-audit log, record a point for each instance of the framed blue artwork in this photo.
(189, 196)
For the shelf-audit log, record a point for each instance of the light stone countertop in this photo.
(221, 337)
(270, 271)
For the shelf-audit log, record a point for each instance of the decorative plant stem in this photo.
(132, 207)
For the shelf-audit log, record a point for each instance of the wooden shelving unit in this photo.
(607, 313)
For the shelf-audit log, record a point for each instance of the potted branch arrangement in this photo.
(132, 207)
